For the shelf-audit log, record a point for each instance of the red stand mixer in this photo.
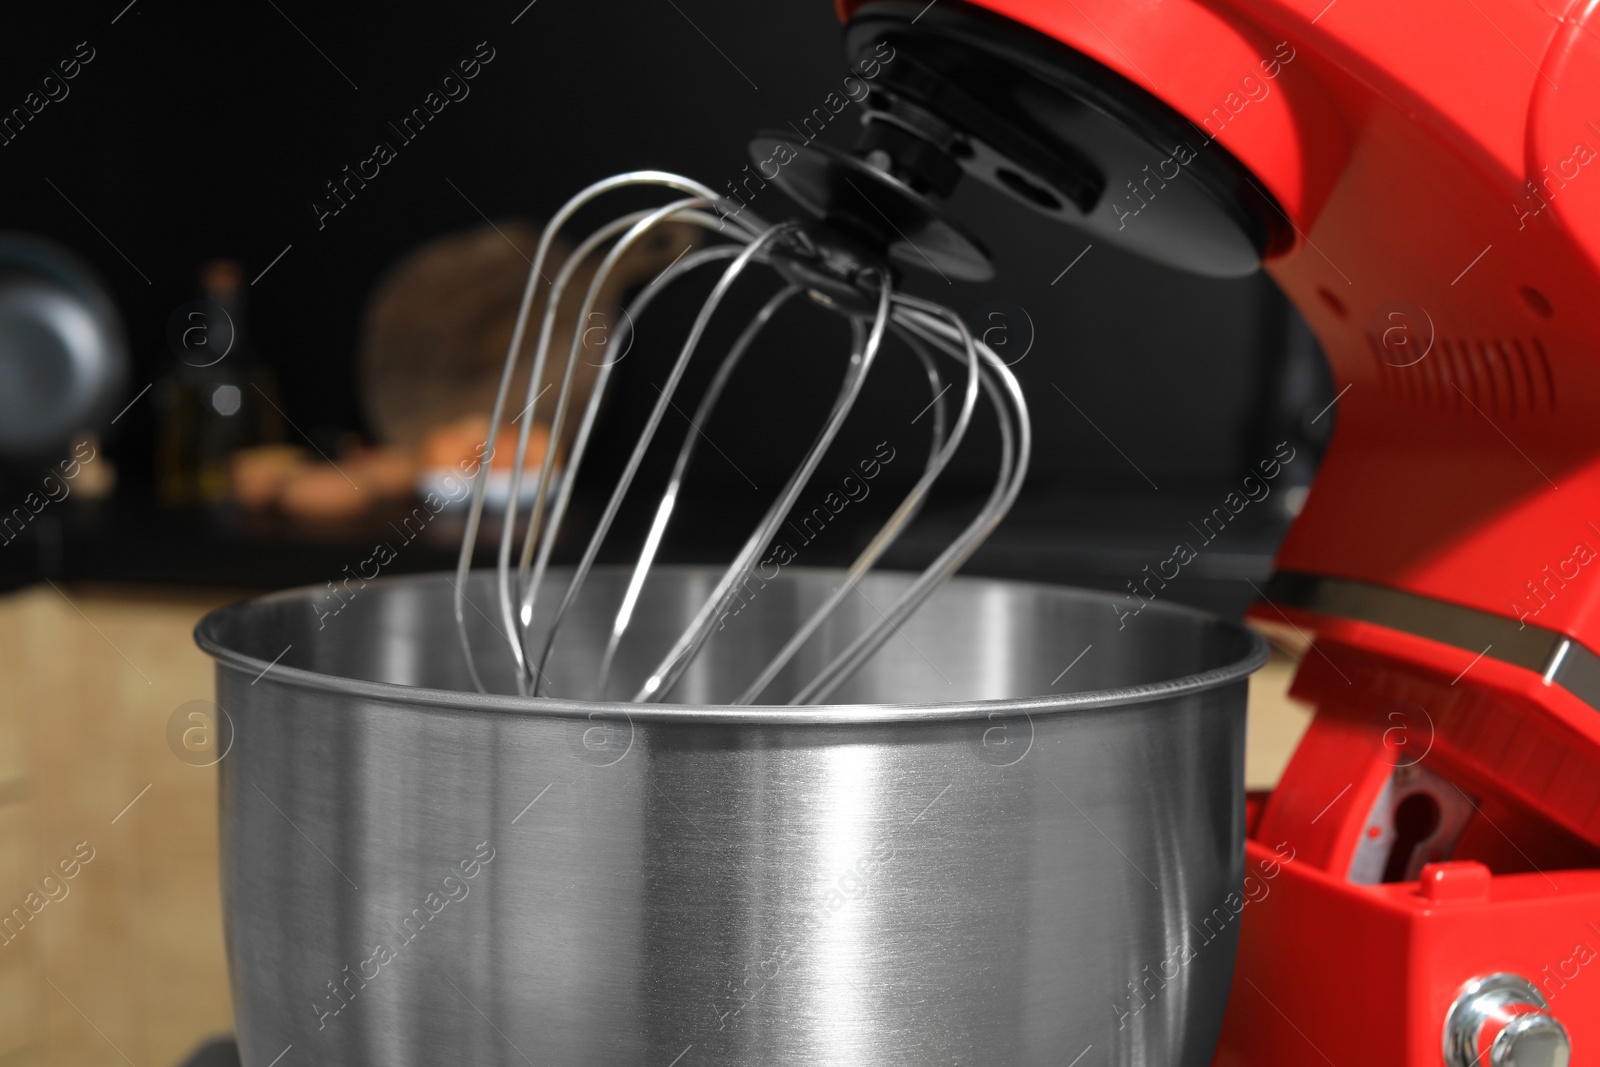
(1421, 181)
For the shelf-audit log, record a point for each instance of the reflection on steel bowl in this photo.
(1005, 845)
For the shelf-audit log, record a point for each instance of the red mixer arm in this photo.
(1441, 179)
(1445, 199)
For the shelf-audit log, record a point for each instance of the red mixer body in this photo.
(1438, 164)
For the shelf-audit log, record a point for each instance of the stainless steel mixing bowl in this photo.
(1013, 841)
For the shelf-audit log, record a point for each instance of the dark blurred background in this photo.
(202, 132)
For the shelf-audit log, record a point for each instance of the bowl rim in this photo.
(259, 669)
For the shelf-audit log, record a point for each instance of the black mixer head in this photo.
(964, 91)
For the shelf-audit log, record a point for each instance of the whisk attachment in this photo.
(838, 262)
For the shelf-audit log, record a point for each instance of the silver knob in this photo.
(1502, 1020)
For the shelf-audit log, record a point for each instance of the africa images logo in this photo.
(602, 738)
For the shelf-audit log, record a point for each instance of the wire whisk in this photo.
(834, 269)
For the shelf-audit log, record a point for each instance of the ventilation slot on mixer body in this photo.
(1508, 379)
(1504, 379)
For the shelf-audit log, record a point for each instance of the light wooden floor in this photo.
(127, 968)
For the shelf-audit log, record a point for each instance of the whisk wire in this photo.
(517, 622)
(939, 326)
(637, 226)
(835, 277)
(480, 482)
(888, 532)
(663, 679)
(730, 274)
(669, 498)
